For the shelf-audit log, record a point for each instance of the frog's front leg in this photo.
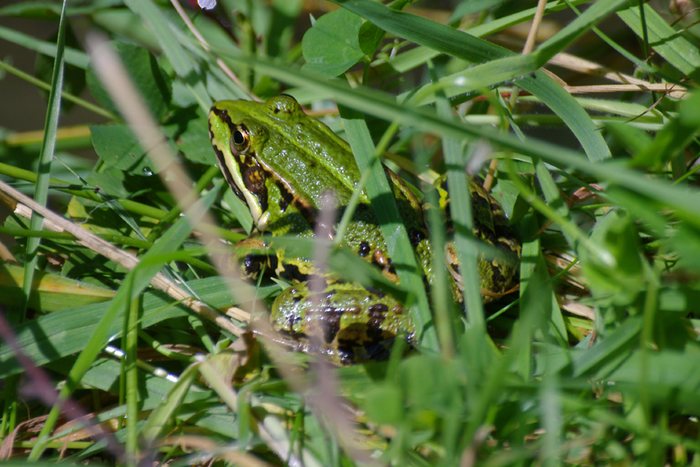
(353, 324)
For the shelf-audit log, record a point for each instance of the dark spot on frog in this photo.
(307, 211)
(254, 179)
(330, 322)
(364, 249)
(482, 213)
(254, 265)
(416, 236)
(378, 308)
(377, 314)
(346, 352)
(283, 103)
(380, 259)
(378, 344)
(285, 200)
(499, 281)
(292, 319)
(375, 334)
(291, 272)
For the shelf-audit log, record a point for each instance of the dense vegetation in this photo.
(123, 306)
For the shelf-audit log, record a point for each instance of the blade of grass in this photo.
(42, 183)
(461, 212)
(47, 87)
(393, 230)
(418, 56)
(663, 38)
(131, 374)
(88, 193)
(510, 65)
(41, 188)
(158, 419)
(610, 349)
(71, 56)
(582, 24)
(460, 44)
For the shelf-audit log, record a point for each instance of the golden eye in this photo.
(240, 139)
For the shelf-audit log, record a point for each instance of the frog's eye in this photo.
(240, 139)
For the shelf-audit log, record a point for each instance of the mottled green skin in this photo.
(353, 324)
(289, 161)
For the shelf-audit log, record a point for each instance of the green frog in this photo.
(281, 162)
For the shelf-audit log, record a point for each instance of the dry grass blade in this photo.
(216, 451)
(86, 238)
(627, 82)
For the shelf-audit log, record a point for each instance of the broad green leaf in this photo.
(184, 64)
(118, 148)
(143, 69)
(331, 46)
(194, 142)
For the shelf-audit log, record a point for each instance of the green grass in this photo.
(594, 360)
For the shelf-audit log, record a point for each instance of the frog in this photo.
(281, 162)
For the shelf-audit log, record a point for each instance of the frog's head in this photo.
(274, 156)
(236, 135)
(241, 135)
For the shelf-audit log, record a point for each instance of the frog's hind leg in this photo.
(345, 322)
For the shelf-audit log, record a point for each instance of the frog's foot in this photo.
(346, 322)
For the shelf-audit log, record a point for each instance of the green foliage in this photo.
(592, 361)
(327, 45)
